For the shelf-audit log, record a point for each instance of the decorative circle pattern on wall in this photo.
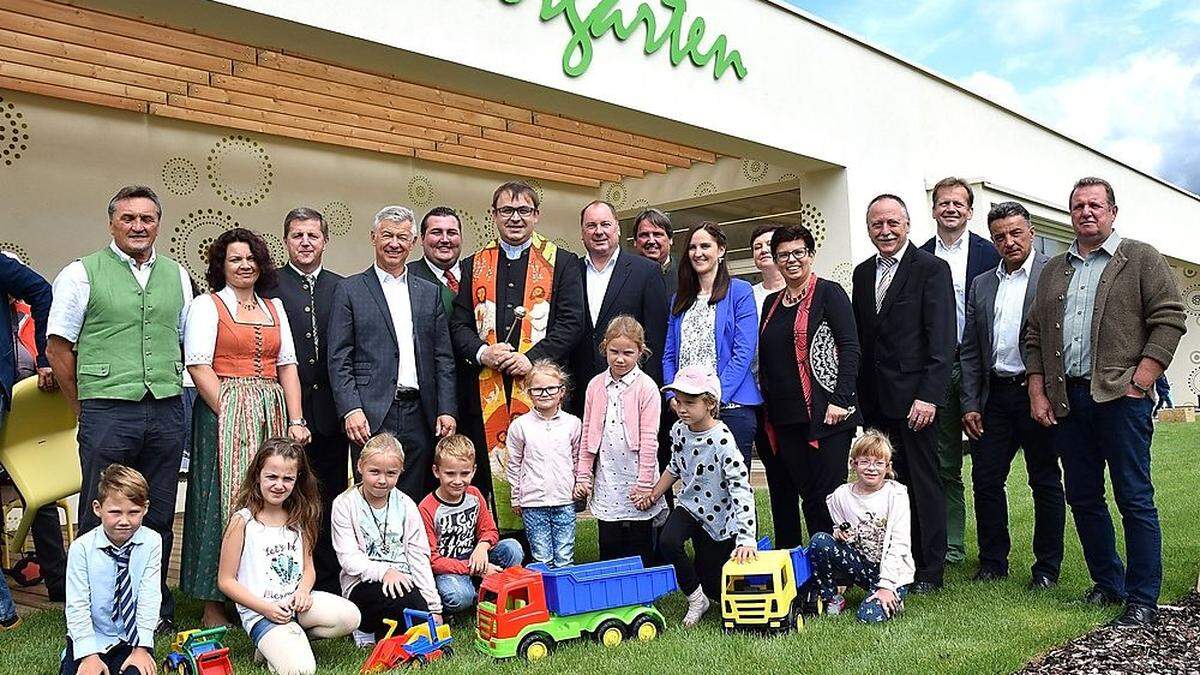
(1191, 300)
(1194, 381)
(843, 273)
(754, 170)
(1189, 272)
(788, 177)
(338, 217)
(420, 191)
(240, 171)
(279, 254)
(616, 194)
(640, 203)
(16, 249)
(537, 187)
(1195, 357)
(14, 132)
(483, 229)
(180, 176)
(705, 188)
(812, 218)
(196, 232)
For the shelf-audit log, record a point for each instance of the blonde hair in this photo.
(118, 479)
(454, 446)
(710, 402)
(548, 367)
(381, 444)
(873, 444)
(625, 326)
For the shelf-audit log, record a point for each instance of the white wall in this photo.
(810, 91)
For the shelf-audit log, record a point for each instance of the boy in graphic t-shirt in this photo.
(463, 540)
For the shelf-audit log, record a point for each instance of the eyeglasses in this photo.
(798, 254)
(871, 463)
(507, 212)
(546, 391)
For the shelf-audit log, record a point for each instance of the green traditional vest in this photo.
(130, 338)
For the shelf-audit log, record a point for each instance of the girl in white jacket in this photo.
(871, 544)
(381, 543)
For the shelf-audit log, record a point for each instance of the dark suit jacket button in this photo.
(316, 386)
(308, 335)
(307, 308)
(312, 362)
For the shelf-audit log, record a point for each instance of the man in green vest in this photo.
(114, 343)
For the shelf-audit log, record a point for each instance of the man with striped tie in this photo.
(904, 306)
(113, 577)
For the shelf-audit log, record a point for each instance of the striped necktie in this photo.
(887, 268)
(310, 285)
(124, 608)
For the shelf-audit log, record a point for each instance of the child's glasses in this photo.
(546, 391)
(871, 463)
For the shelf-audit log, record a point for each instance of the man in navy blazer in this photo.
(615, 283)
(19, 282)
(995, 403)
(904, 307)
(968, 256)
(391, 365)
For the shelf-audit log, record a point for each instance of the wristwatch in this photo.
(1145, 390)
(297, 423)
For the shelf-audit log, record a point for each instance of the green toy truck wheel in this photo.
(610, 633)
(536, 646)
(645, 628)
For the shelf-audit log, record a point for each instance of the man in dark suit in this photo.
(995, 403)
(390, 362)
(904, 306)
(615, 283)
(306, 289)
(652, 239)
(441, 242)
(522, 301)
(968, 255)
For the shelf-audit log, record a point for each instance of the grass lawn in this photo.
(967, 627)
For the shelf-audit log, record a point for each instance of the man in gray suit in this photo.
(391, 366)
(995, 403)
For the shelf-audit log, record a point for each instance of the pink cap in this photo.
(696, 380)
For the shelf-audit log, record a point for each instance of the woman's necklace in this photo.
(789, 299)
(385, 545)
(248, 306)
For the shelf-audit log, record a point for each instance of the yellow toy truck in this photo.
(769, 592)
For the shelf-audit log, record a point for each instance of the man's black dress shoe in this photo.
(1136, 616)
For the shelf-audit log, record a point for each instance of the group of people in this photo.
(522, 380)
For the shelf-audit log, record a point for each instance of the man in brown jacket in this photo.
(1105, 323)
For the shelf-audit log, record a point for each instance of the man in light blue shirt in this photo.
(1080, 300)
(113, 577)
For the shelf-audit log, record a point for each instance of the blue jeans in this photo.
(551, 532)
(1116, 434)
(743, 423)
(458, 591)
(7, 609)
(831, 559)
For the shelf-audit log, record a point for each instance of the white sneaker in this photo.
(363, 640)
(698, 604)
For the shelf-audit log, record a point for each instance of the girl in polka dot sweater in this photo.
(715, 508)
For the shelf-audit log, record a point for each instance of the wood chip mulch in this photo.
(1171, 646)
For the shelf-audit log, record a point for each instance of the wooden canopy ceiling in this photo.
(67, 52)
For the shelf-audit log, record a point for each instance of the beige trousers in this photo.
(285, 648)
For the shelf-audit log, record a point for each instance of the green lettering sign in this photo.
(606, 17)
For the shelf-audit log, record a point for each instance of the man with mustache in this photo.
(904, 308)
(652, 239)
(306, 288)
(615, 283)
(519, 271)
(1105, 324)
(390, 362)
(968, 255)
(995, 404)
(115, 330)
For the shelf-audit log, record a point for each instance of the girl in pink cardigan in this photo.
(620, 428)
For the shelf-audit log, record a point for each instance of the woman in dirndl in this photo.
(239, 352)
(809, 352)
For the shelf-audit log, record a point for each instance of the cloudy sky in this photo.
(1122, 75)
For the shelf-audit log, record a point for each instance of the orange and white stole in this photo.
(499, 410)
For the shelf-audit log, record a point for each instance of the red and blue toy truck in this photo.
(526, 611)
(422, 642)
(199, 652)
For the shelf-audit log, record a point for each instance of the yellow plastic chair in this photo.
(39, 451)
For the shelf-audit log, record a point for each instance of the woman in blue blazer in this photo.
(714, 323)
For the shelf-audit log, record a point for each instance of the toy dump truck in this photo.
(199, 652)
(423, 641)
(768, 593)
(526, 611)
